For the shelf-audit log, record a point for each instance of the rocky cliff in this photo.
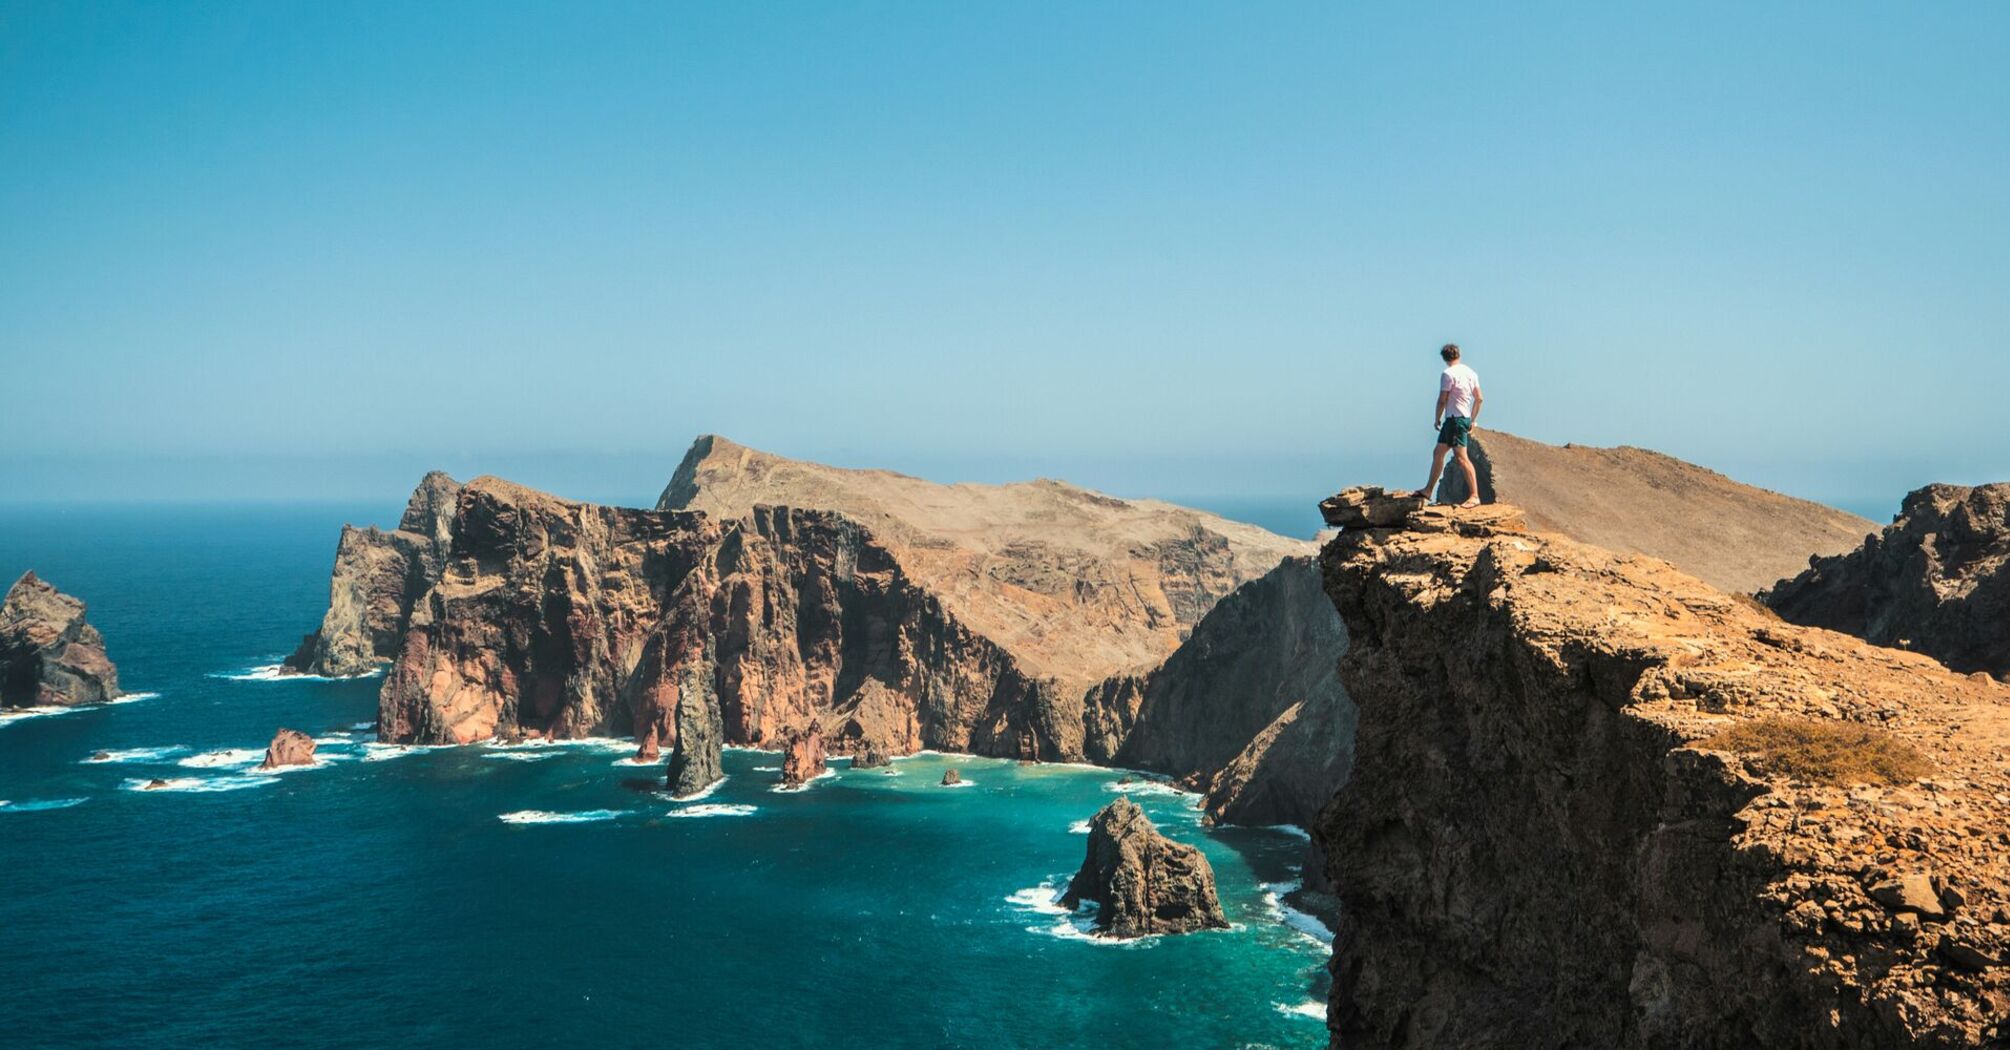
(49, 656)
(1597, 802)
(378, 577)
(570, 619)
(1141, 881)
(1936, 581)
(1730, 535)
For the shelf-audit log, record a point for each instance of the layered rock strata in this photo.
(49, 655)
(378, 577)
(1141, 881)
(1540, 846)
(1935, 581)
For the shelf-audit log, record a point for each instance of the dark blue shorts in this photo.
(1455, 431)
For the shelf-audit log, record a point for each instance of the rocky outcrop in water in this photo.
(1143, 882)
(1935, 581)
(49, 655)
(1560, 831)
(378, 578)
(289, 747)
(802, 756)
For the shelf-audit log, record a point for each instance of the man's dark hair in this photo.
(1450, 352)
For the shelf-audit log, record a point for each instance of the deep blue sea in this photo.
(497, 897)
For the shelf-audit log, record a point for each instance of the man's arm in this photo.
(1438, 417)
(1478, 400)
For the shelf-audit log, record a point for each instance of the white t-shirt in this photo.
(1463, 384)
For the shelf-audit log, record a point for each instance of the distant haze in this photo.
(1206, 252)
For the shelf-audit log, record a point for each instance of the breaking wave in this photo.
(37, 805)
(540, 816)
(715, 809)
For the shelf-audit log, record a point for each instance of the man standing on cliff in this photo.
(1458, 409)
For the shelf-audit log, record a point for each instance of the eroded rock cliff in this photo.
(1935, 581)
(1143, 882)
(49, 655)
(1546, 843)
(377, 579)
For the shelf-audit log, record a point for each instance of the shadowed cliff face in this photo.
(1534, 850)
(1936, 581)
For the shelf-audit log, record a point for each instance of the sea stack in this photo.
(50, 657)
(289, 747)
(802, 756)
(951, 778)
(1143, 882)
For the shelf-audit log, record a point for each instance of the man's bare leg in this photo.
(1472, 478)
(1437, 467)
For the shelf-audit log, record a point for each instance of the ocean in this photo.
(529, 896)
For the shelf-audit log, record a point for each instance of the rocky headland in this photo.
(49, 655)
(1935, 581)
(1598, 802)
(1141, 881)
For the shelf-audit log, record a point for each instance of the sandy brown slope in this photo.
(1731, 535)
(1075, 584)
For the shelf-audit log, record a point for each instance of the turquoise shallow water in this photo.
(382, 898)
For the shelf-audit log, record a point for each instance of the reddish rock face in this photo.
(802, 756)
(378, 578)
(289, 747)
(573, 620)
(49, 657)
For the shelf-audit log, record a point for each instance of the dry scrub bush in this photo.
(1821, 751)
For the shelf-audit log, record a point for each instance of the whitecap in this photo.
(137, 754)
(633, 760)
(1294, 831)
(715, 809)
(1078, 924)
(790, 789)
(540, 816)
(1080, 827)
(702, 792)
(375, 751)
(362, 727)
(235, 756)
(37, 805)
(1311, 1008)
(232, 783)
(521, 756)
(277, 673)
(9, 716)
(964, 783)
(1307, 925)
(1142, 786)
(767, 769)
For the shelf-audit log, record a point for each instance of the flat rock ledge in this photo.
(1143, 882)
(1373, 507)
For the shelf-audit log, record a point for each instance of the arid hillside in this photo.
(1731, 535)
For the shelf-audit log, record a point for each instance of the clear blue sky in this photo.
(308, 250)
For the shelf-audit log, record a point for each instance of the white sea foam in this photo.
(715, 809)
(362, 727)
(521, 756)
(1074, 925)
(540, 816)
(767, 769)
(1080, 827)
(224, 759)
(276, 673)
(631, 760)
(37, 805)
(374, 751)
(1294, 831)
(1307, 925)
(137, 754)
(703, 792)
(201, 784)
(1142, 786)
(22, 714)
(1311, 1008)
(964, 783)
